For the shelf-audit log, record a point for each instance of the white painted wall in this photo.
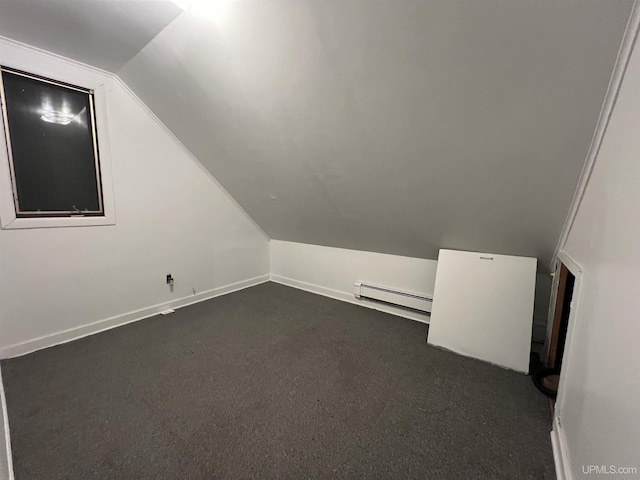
(172, 217)
(599, 407)
(332, 272)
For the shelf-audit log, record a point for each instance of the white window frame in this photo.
(8, 217)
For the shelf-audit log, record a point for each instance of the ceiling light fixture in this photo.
(215, 10)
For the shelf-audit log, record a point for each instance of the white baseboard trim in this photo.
(6, 462)
(560, 455)
(119, 320)
(349, 297)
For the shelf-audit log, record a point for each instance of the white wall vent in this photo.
(414, 301)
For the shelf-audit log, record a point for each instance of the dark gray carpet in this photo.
(271, 382)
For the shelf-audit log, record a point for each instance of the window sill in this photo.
(54, 222)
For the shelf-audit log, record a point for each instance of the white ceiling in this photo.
(102, 33)
(392, 126)
(398, 127)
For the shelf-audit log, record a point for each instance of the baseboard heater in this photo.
(414, 301)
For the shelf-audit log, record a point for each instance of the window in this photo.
(52, 146)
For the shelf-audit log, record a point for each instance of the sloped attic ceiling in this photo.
(102, 33)
(390, 126)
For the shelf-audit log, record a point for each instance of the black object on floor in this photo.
(539, 378)
(271, 382)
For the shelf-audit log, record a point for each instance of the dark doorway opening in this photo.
(548, 377)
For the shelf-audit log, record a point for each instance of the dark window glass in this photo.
(52, 147)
